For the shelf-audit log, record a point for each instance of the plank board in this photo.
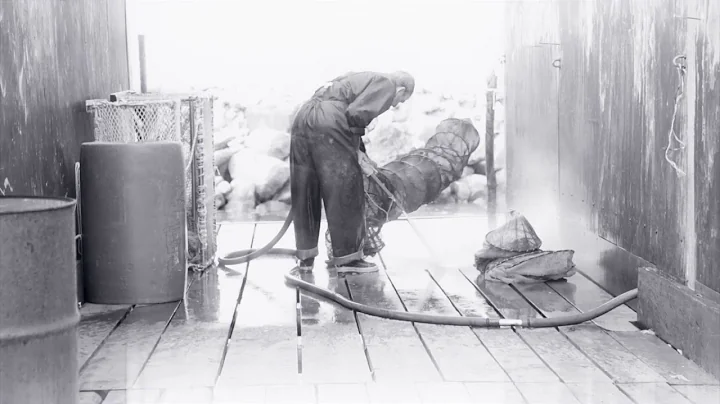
(267, 394)
(547, 393)
(200, 395)
(397, 355)
(191, 350)
(700, 394)
(565, 360)
(655, 393)
(619, 363)
(443, 393)
(139, 396)
(333, 349)
(514, 356)
(386, 393)
(119, 361)
(89, 397)
(504, 393)
(239, 395)
(598, 393)
(96, 323)
(346, 393)
(263, 348)
(675, 368)
(584, 295)
(457, 351)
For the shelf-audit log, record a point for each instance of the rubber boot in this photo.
(356, 267)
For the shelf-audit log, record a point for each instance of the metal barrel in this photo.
(133, 221)
(38, 301)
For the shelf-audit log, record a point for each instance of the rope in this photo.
(672, 135)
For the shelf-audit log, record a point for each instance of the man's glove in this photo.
(367, 165)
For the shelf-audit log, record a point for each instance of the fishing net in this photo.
(416, 178)
(511, 254)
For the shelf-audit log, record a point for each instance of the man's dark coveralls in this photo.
(325, 137)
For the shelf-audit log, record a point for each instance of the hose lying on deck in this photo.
(242, 256)
(402, 186)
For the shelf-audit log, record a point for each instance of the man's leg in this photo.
(306, 201)
(343, 193)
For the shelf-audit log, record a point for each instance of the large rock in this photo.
(275, 178)
(446, 196)
(228, 135)
(227, 113)
(242, 197)
(220, 201)
(478, 155)
(388, 141)
(470, 188)
(284, 195)
(223, 187)
(274, 114)
(267, 174)
(222, 157)
(268, 141)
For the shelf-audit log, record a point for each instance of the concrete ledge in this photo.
(680, 317)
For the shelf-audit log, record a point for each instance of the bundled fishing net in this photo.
(416, 178)
(511, 254)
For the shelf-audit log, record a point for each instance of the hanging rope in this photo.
(672, 135)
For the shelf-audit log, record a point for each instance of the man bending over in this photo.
(325, 151)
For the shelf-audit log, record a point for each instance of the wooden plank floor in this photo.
(243, 336)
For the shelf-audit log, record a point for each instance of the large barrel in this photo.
(38, 301)
(133, 221)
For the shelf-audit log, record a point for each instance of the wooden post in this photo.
(143, 66)
(490, 150)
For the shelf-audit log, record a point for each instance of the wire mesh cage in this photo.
(188, 119)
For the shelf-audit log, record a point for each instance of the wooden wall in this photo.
(590, 136)
(54, 55)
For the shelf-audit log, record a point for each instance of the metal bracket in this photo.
(557, 63)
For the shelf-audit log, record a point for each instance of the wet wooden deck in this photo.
(242, 336)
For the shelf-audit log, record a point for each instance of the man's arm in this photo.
(376, 98)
